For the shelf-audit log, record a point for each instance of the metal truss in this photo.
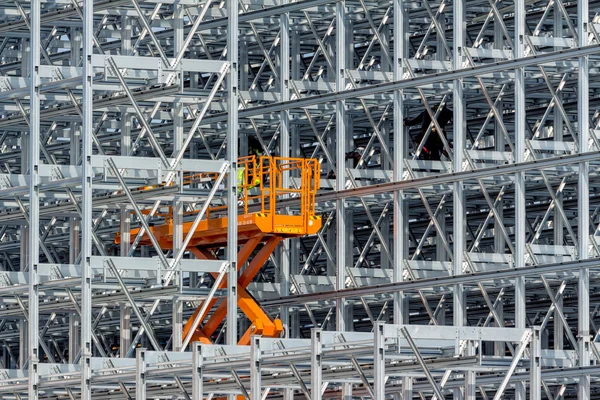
(469, 277)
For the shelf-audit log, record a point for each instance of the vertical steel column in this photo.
(23, 324)
(316, 364)
(346, 391)
(284, 148)
(500, 145)
(232, 155)
(197, 362)
(125, 330)
(74, 339)
(244, 84)
(440, 250)
(349, 314)
(34, 197)
(295, 324)
(24, 255)
(407, 388)
(126, 34)
(558, 136)
(401, 207)
(125, 145)
(26, 58)
(24, 231)
(340, 123)
(255, 382)
(296, 54)
(125, 213)
(399, 149)
(331, 243)
(178, 16)
(140, 374)
(535, 381)
(75, 150)
(520, 219)
(459, 311)
(348, 138)
(386, 131)
(86, 200)
(583, 202)
(439, 42)
(294, 320)
(344, 63)
(470, 375)
(126, 47)
(500, 347)
(177, 324)
(74, 223)
(559, 332)
(379, 362)
(387, 226)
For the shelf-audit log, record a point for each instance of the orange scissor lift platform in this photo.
(260, 185)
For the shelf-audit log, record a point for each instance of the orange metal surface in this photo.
(213, 232)
(246, 304)
(261, 186)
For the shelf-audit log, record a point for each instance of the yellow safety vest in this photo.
(240, 177)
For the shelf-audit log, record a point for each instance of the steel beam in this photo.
(583, 206)
(232, 156)
(489, 68)
(34, 198)
(340, 173)
(513, 273)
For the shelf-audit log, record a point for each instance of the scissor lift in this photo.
(260, 222)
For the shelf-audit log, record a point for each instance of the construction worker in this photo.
(254, 149)
(353, 155)
(434, 146)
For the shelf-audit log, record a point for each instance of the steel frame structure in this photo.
(474, 277)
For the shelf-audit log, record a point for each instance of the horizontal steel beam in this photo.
(504, 170)
(472, 278)
(264, 13)
(415, 82)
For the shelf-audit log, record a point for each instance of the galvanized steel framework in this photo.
(472, 277)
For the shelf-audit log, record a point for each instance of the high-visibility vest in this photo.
(240, 178)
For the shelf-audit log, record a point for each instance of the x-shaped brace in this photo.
(261, 323)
